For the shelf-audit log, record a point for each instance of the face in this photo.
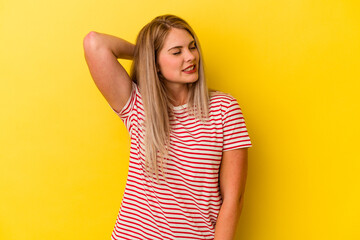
(178, 60)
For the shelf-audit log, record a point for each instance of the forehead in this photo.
(177, 37)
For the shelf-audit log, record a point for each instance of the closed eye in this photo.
(191, 48)
(193, 45)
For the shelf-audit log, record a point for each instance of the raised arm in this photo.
(101, 54)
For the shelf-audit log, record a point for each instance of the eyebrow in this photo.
(193, 41)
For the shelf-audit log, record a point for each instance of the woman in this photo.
(187, 174)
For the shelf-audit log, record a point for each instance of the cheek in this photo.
(167, 65)
(197, 55)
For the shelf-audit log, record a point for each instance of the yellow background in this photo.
(292, 65)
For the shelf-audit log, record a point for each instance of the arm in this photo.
(119, 47)
(101, 53)
(233, 173)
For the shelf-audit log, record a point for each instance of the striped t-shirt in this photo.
(186, 205)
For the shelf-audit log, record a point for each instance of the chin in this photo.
(194, 79)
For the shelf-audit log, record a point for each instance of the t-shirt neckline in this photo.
(179, 107)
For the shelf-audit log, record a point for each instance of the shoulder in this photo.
(222, 98)
(136, 90)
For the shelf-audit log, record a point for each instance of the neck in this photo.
(178, 93)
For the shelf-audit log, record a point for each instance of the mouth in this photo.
(190, 69)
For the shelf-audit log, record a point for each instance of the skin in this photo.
(233, 174)
(179, 52)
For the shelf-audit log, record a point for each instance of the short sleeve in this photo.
(125, 112)
(234, 128)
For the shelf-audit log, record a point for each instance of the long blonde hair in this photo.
(154, 93)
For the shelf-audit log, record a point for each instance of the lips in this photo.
(190, 69)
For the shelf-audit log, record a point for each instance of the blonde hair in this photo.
(156, 99)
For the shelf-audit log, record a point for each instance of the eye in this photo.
(176, 53)
(193, 47)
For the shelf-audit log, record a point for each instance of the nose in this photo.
(189, 56)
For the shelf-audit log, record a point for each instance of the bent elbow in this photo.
(89, 39)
